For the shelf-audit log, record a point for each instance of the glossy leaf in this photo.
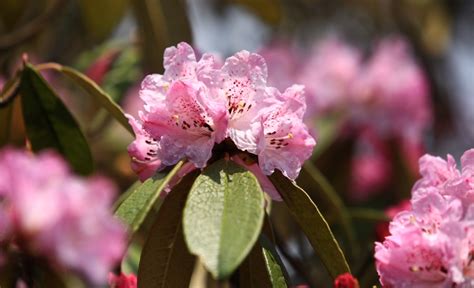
(134, 209)
(161, 23)
(102, 98)
(223, 216)
(313, 224)
(49, 125)
(165, 260)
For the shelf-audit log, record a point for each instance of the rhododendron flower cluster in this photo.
(432, 244)
(382, 99)
(197, 104)
(49, 213)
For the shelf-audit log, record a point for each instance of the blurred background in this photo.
(386, 81)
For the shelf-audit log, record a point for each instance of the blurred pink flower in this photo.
(371, 166)
(58, 216)
(284, 142)
(122, 281)
(392, 93)
(329, 75)
(283, 64)
(431, 244)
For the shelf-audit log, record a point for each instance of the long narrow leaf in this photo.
(102, 98)
(320, 189)
(313, 224)
(274, 264)
(49, 125)
(134, 209)
(165, 260)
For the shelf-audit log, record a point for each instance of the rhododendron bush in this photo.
(267, 143)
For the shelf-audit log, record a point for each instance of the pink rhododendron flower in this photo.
(431, 244)
(284, 141)
(122, 281)
(243, 80)
(58, 216)
(346, 280)
(182, 112)
(381, 230)
(195, 105)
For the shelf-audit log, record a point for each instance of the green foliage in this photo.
(313, 224)
(262, 267)
(223, 216)
(102, 98)
(134, 209)
(273, 263)
(323, 193)
(165, 259)
(49, 124)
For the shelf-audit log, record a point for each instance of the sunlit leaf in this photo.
(223, 216)
(165, 260)
(134, 209)
(274, 264)
(313, 224)
(49, 125)
(261, 269)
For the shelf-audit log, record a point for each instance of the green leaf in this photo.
(131, 259)
(261, 267)
(274, 264)
(223, 216)
(49, 124)
(161, 23)
(134, 209)
(313, 224)
(165, 260)
(321, 190)
(102, 98)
